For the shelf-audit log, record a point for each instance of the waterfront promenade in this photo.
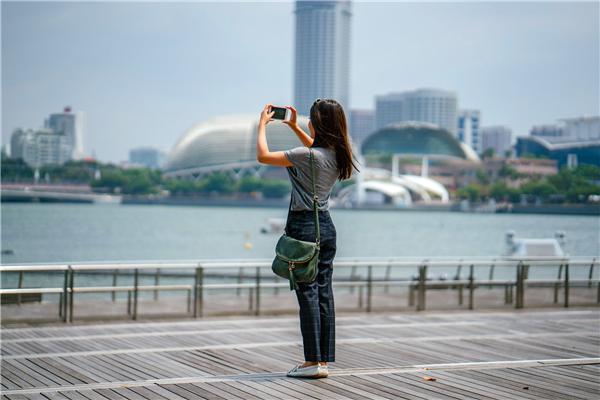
(503, 354)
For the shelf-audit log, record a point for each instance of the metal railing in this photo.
(417, 286)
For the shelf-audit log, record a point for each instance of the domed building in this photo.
(382, 183)
(228, 143)
(420, 139)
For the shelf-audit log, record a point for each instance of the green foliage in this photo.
(249, 184)
(482, 176)
(275, 188)
(219, 182)
(508, 171)
(487, 153)
(112, 179)
(539, 188)
(570, 185)
(15, 170)
(471, 192)
(183, 187)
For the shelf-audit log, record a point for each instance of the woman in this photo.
(333, 161)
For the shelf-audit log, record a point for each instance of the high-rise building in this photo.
(422, 105)
(468, 132)
(40, 147)
(71, 124)
(579, 129)
(147, 156)
(17, 143)
(322, 59)
(361, 125)
(497, 138)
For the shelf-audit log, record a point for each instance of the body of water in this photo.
(38, 233)
(103, 232)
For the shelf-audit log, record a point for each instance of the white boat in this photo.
(535, 247)
(275, 225)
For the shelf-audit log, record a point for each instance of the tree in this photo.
(15, 170)
(482, 177)
(275, 188)
(471, 192)
(539, 188)
(508, 171)
(249, 184)
(219, 182)
(488, 153)
(112, 179)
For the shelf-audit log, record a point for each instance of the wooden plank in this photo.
(190, 391)
(541, 390)
(154, 391)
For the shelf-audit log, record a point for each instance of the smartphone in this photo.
(281, 113)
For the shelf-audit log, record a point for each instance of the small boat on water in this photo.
(535, 247)
(274, 225)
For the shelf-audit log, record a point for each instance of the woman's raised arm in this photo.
(304, 137)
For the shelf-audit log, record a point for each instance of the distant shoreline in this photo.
(548, 209)
(453, 207)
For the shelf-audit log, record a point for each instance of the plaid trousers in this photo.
(317, 309)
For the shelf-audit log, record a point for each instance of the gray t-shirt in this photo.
(326, 174)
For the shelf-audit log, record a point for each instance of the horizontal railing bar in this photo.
(92, 289)
(259, 263)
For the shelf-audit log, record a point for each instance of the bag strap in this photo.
(315, 197)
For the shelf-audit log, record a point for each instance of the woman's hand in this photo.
(266, 116)
(293, 119)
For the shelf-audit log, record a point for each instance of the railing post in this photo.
(567, 284)
(459, 286)
(113, 294)
(239, 280)
(257, 294)
(65, 295)
(520, 284)
(352, 277)
(20, 287)
(198, 291)
(250, 299)
(491, 277)
(388, 270)
(135, 293)
(156, 282)
(71, 292)
(557, 284)
(422, 288)
(591, 274)
(471, 287)
(369, 287)
(360, 296)
(189, 301)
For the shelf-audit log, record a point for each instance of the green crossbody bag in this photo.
(295, 259)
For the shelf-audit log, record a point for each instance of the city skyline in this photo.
(165, 73)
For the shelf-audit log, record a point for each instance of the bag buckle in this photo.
(291, 266)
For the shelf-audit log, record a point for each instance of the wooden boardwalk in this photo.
(525, 354)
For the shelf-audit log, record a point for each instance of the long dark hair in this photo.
(329, 122)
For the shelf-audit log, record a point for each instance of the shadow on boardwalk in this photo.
(502, 354)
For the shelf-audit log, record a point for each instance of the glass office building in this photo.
(322, 59)
(435, 106)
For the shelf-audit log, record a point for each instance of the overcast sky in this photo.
(145, 72)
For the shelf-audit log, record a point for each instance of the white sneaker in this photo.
(312, 371)
(324, 371)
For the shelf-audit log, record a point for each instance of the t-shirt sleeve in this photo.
(298, 156)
